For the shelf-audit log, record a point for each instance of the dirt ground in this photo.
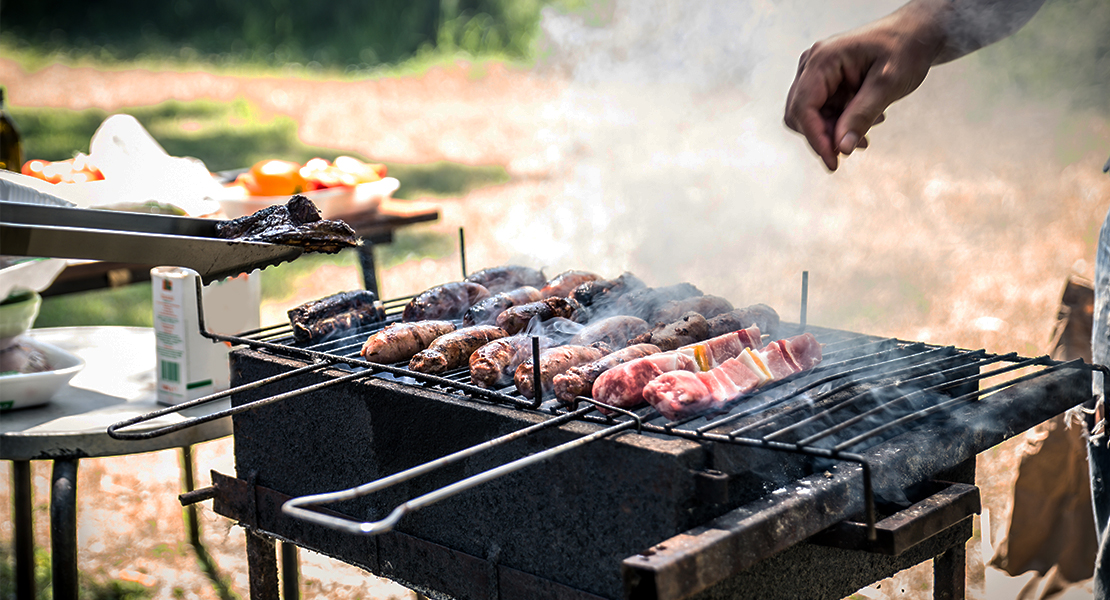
(927, 243)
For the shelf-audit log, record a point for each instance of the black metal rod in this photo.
(537, 377)
(63, 528)
(290, 572)
(24, 529)
(805, 299)
(462, 251)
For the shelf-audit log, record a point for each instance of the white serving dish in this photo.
(22, 390)
(333, 203)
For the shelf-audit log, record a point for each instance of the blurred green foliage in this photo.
(344, 34)
(1062, 54)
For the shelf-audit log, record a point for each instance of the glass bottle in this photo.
(11, 144)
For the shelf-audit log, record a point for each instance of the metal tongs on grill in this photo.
(79, 233)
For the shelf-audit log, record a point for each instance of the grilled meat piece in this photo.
(400, 341)
(623, 385)
(599, 292)
(493, 365)
(614, 331)
(486, 311)
(295, 223)
(552, 363)
(515, 318)
(688, 329)
(507, 277)
(447, 301)
(761, 315)
(453, 350)
(318, 320)
(579, 381)
(643, 303)
(564, 283)
(706, 306)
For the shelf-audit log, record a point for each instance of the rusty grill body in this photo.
(765, 499)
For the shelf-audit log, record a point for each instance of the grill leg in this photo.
(949, 574)
(262, 566)
(369, 271)
(24, 529)
(63, 528)
(290, 578)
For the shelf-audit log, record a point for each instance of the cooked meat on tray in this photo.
(706, 306)
(690, 328)
(447, 301)
(486, 311)
(579, 381)
(493, 365)
(761, 315)
(401, 341)
(453, 350)
(515, 318)
(507, 277)
(552, 363)
(564, 283)
(318, 320)
(680, 394)
(623, 385)
(295, 223)
(642, 303)
(614, 331)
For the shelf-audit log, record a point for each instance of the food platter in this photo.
(23, 390)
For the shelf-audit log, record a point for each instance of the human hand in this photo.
(844, 84)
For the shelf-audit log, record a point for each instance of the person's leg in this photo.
(1097, 447)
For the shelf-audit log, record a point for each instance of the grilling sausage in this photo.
(562, 284)
(600, 292)
(400, 341)
(760, 315)
(515, 318)
(507, 277)
(579, 381)
(614, 331)
(643, 303)
(319, 319)
(690, 328)
(486, 311)
(453, 350)
(493, 365)
(706, 306)
(447, 301)
(552, 363)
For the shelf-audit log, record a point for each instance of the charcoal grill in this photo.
(815, 487)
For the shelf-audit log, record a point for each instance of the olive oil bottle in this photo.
(11, 144)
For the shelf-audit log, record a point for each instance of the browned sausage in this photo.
(761, 315)
(453, 350)
(400, 341)
(706, 306)
(515, 318)
(493, 365)
(691, 328)
(614, 331)
(579, 381)
(486, 311)
(562, 284)
(552, 362)
(507, 277)
(447, 301)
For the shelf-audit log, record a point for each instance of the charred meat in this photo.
(401, 341)
(690, 328)
(486, 311)
(552, 363)
(320, 319)
(507, 277)
(564, 283)
(600, 294)
(295, 223)
(579, 381)
(643, 303)
(493, 365)
(614, 331)
(453, 350)
(447, 301)
(760, 315)
(515, 318)
(707, 306)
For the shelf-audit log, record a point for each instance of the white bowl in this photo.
(21, 390)
(333, 203)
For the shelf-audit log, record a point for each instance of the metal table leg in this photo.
(63, 528)
(949, 574)
(262, 566)
(290, 577)
(24, 529)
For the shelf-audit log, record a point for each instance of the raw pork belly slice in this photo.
(678, 393)
(776, 362)
(740, 374)
(751, 338)
(623, 385)
(803, 350)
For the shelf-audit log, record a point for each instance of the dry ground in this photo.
(928, 240)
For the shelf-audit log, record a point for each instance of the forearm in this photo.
(969, 25)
